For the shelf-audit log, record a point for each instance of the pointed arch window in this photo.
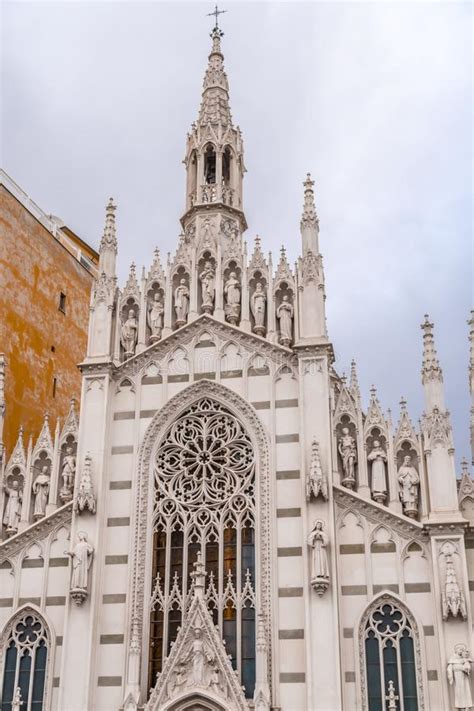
(205, 501)
(25, 662)
(390, 656)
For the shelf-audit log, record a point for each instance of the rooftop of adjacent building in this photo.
(85, 255)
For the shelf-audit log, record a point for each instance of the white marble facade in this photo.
(224, 483)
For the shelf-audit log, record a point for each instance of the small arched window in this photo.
(389, 641)
(25, 659)
(210, 165)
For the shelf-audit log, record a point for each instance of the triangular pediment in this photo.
(197, 673)
(220, 330)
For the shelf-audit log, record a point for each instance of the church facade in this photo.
(224, 527)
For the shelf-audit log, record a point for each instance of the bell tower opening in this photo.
(210, 165)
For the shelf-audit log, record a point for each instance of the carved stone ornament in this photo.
(81, 557)
(459, 676)
(347, 448)
(85, 498)
(437, 430)
(198, 666)
(409, 483)
(68, 474)
(453, 602)
(316, 481)
(378, 458)
(318, 540)
(232, 298)
(310, 267)
(17, 701)
(391, 696)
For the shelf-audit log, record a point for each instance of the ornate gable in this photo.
(198, 665)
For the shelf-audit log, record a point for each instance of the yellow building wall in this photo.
(42, 344)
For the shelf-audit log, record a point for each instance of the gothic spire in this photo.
(431, 373)
(354, 383)
(215, 107)
(108, 243)
(309, 219)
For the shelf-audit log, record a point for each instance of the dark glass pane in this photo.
(408, 673)
(9, 677)
(248, 553)
(212, 564)
(174, 621)
(248, 650)
(156, 647)
(176, 556)
(372, 661)
(229, 633)
(390, 665)
(39, 675)
(24, 677)
(230, 550)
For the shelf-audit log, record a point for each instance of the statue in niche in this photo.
(318, 540)
(348, 450)
(285, 314)
(207, 277)
(11, 516)
(378, 457)
(155, 318)
(199, 656)
(316, 482)
(129, 334)
(41, 491)
(181, 303)
(232, 297)
(459, 676)
(68, 474)
(81, 557)
(258, 305)
(452, 598)
(409, 481)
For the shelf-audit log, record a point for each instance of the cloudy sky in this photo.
(374, 98)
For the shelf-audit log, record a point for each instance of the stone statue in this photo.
(129, 334)
(41, 491)
(285, 314)
(207, 277)
(181, 303)
(348, 450)
(11, 516)
(69, 469)
(318, 540)
(17, 701)
(459, 676)
(258, 305)
(316, 482)
(81, 557)
(232, 297)
(409, 481)
(378, 457)
(199, 656)
(452, 597)
(155, 318)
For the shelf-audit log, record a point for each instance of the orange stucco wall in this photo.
(39, 341)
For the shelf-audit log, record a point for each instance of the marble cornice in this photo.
(408, 528)
(35, 531)
(184, 335)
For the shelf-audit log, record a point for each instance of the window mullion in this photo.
(238, 586)
(166, 589)
(184, 582)
(30, 683)
(401, 700)
(221, 577)
(382, 671)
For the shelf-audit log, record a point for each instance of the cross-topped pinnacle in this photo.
(216, 12)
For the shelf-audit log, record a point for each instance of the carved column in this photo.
(55, 473)
(142, 317)
(29, 476)
(193, 287)
(271, 303)
(219, 293)
(245, 320)
(168, 302)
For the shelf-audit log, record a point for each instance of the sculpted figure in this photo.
(409, 481)
(318, 540)
(378, 457)
(11, 517)
(81, 556)
(181, 303)
(129, 333)
(69, 470)
(17, 701)
(285, 314)
(41, 491)
(200, 656)
(155, 318)
(207, 277)
(459, 676)
(348, 450)
(258, 305)
(232, 297)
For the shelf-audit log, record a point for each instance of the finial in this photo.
(373, 392)
(198, 576)
(109, 238)
(430, 368)
(403, 404)
(309, 217)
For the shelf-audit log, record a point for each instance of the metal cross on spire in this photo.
(216, 12)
